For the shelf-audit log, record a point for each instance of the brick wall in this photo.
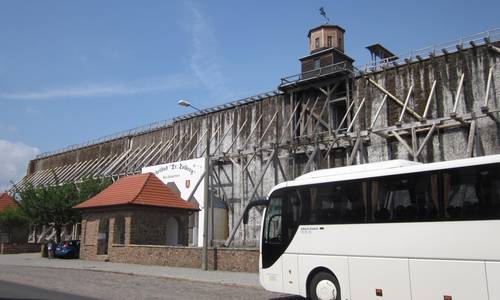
(222, 259)
(19, 248)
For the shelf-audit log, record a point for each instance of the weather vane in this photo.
(323, 13)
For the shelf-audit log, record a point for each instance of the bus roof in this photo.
(385, 168)
(396, 163)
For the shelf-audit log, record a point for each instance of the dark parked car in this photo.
(68, 249)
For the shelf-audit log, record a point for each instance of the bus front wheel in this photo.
(324, 286)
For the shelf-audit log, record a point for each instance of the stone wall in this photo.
(19, 248)
(222, 259)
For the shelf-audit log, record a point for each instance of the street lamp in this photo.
(186, 103)
(204, 255)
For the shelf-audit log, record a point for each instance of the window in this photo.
(316, 43)
(317, 64)
(333, 203)
(471, 193)
(329, 41)
(406, 198)
(119, 230)
(273, 221)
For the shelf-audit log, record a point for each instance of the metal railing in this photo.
(158, 125)
(474, 40)
(327, 70)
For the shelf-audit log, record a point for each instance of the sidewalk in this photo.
(231, 278)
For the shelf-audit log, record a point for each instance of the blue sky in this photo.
(72, 71)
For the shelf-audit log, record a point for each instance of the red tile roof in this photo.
(142, 189)
(6, 201)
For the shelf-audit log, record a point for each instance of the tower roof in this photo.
(143, 189)
(325, 26)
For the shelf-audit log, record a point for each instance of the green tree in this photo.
(12, 218)
(53, 205)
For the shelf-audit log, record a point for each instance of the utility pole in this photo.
(206, 187)
(206, 195)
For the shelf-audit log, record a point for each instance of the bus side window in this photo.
(488, 192)
(426, 197)
(338, 203)
(461, 194)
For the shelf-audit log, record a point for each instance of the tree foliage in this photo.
(12, 217)
(53, 205)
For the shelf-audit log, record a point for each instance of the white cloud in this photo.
(14, 158)
(92, 90)
(204, 62)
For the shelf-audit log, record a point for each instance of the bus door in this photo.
(273, 244)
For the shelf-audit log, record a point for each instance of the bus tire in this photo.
(323, 286)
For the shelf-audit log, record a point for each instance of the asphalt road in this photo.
(19, 282)
(9, 290)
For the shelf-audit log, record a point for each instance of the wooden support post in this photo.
(236, 137)
(426, 139)
(402, 141)
(224, 136)
(187, 145)
(310, 160)
(267, 128)
(405, 105)
(319, 118)
(414, 143)
(311, 111)
(356, 115)
(301, 116)
(378, 112)
(487, 93)
(413, 113)
(354, 150)
(457, 96)
(427, 105)
(344, 118)
(286, 126)
(252, 194)
(255, 127)
(470, 142)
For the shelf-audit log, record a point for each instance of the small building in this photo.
(11, 233)
(135, 210)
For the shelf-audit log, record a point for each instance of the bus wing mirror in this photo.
(250, 205)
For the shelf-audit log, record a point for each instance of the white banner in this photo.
(182, 177)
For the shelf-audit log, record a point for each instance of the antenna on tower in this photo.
(322, 12)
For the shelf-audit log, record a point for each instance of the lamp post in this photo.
(206, 194)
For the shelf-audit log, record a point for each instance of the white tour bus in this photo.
(390, 230)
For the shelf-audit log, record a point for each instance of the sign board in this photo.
(183, 177)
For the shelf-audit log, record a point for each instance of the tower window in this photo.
(316, 43)
(329, 41)
(317, 64)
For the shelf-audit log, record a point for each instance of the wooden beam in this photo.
(413, 113)
(402, 141)
(354, 151)
(405, 105)
(378, 111)
(426, 139)
(414, 143)
(470, 142)
(356, 114)
(459, 90)
(427, 105)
